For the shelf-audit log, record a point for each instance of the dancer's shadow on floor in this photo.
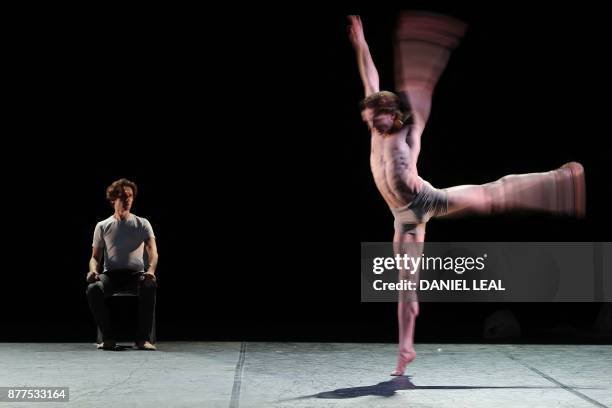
(388, 389)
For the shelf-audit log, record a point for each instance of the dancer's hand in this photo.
(92, 276)
(356, 32)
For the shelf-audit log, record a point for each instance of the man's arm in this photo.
(94, 264)
(424, 42)
(151, 247)
(367, 69)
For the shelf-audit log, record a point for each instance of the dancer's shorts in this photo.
(428, 202)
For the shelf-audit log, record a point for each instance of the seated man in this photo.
(122, 239)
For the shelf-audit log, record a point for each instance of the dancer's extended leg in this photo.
(560, 191)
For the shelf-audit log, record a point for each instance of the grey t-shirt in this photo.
(123, 242)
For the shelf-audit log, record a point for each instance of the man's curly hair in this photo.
(115, 190)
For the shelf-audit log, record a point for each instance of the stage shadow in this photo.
(388, 389)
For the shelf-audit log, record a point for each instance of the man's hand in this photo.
(356, 32)
(92, 276)
(148, 278)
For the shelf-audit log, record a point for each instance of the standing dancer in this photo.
(423, 44)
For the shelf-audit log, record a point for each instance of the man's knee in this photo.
(148, 286)
(94, 289)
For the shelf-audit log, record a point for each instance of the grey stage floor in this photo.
(184, 374)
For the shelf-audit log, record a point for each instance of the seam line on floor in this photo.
(235, 400)
(560, 384)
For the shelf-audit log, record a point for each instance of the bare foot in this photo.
(404, 358)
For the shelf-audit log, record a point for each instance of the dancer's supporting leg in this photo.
(410, 243)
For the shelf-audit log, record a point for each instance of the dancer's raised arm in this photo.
(367, 69)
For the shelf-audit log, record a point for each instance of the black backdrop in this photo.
(241, 129)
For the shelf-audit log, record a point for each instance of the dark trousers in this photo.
(120, 280)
